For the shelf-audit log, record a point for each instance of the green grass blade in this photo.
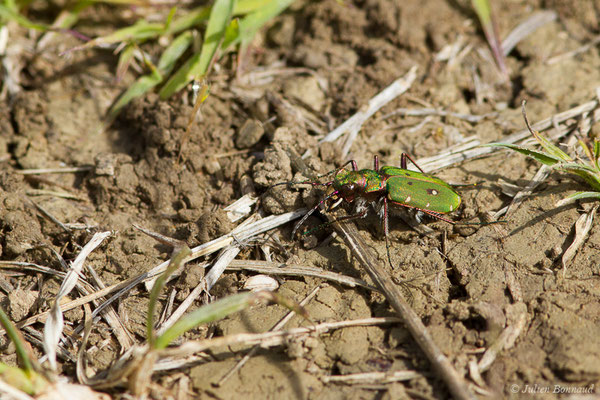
(208, 313)
(222, 308)
(197, 66)
(585, 172)
(175, 50)
(140, 87)
(252, 22)
(68, 17)
(247, 6)
(576, 167)
(189, 20)
(232, 34)
(138, 32)
(125, 58)
(176, 261)
(15, 337)
(147, 82)
(486, 18)
(539, 156)
(32, 384)
(8, 13)
(578, 196)
(25, 379)
(551, 148)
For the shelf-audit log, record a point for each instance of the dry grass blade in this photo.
(204, 286)
(274, 268)
(525, 28)
(440, 362)
(372, 378)
(80, 366)
(506, 339)
(582, 228)
(444, 159)
(269, 339)
(54, 323)
(241, 234)
(353, 124)
(539, 177)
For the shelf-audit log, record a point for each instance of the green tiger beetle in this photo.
(387, 187)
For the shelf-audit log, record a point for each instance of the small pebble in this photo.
(261, 282)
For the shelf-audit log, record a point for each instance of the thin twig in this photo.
(269, 339)
(372, 377)
(274, 268)
(52, 170)
(440, 362)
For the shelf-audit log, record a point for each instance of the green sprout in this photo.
(25, 379)
(228, 23)
(487, 19)
(552, 156)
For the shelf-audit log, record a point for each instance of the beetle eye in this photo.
(349, 187)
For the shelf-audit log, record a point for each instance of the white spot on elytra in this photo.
(427, 205)
(451, 207)
(434, 192)
(408, 199)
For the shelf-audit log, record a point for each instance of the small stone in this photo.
(307, 90)
(261, 282)
(21, 302)
(249, 134)
(105, 164)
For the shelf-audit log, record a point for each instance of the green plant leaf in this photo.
(247, 6)
(189, 20)
(232, 34)
(175, 50)
(490, 29)
(15, 337)
(252, 22)
(551, 148)
(140, 87)
(11, 14)
(208, 313)
(176, 261)
(586, 172)
(138, 32)
(145, 83)
(578, 196)
(539, 156)
(197, 66)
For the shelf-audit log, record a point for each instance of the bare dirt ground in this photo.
(317, 65)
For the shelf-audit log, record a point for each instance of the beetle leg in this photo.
(428, 212)
(376, 162)
(404, 164)
(309, 213)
